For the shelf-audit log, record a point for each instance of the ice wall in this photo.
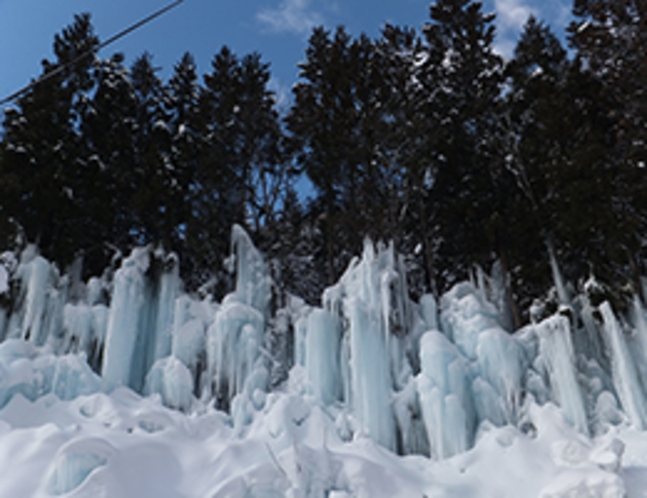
(495, 372)
(236, 337)
(140, 317)
(372, 300)
(557, 359)
(415, 377)
(322, 358)
(445, 396)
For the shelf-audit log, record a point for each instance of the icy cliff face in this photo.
(416, 377)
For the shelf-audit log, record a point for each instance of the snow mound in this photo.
(124, 445)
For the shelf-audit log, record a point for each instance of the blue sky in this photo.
(278, 29)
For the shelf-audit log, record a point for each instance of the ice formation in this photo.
(371, 299)
(140, 319)
(34, 372)
(557, 359)
(624, 374)
(445, 396)
(172, 379)
(433, 377)
(322, 358)
(74, 463)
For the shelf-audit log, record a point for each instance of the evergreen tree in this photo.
(610, 38)
(345, 124)
(195, 202)
(109, 130)
(263, 172)
(46, 179)
(320, 123)
(228, 145)
(539, 144)
(468, 176)
(293, 239)
(157, 200)
(414, 69)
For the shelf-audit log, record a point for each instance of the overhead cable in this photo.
(93, 50)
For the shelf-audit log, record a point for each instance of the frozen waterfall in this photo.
(415, 377)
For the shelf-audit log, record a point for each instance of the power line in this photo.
(109, 41)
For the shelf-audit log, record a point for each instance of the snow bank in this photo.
(124, 445)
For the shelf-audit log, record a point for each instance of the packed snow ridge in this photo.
(371, 395)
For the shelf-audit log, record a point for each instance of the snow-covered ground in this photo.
(123, 445)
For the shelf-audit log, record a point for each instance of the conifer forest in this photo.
(422, 136)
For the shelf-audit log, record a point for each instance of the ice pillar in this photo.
(322, 352)
(625, 377)
(445, 396)
(556, 350)
(370, 376)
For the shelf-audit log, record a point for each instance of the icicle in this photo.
(323, 342)
(40, 281)
(371, 383)
(556, 351)
(562, 294)
(429, 311)
(445, 396)
(164, 305)
(253, 283)
(625, 377)
(233, 344)
(128, 301)
(640, 354)
(235, 339)
(370, 300)
(499, 364)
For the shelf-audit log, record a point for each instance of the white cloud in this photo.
(512, 14)
(281, 93)
(291, 16)
(505, 47)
